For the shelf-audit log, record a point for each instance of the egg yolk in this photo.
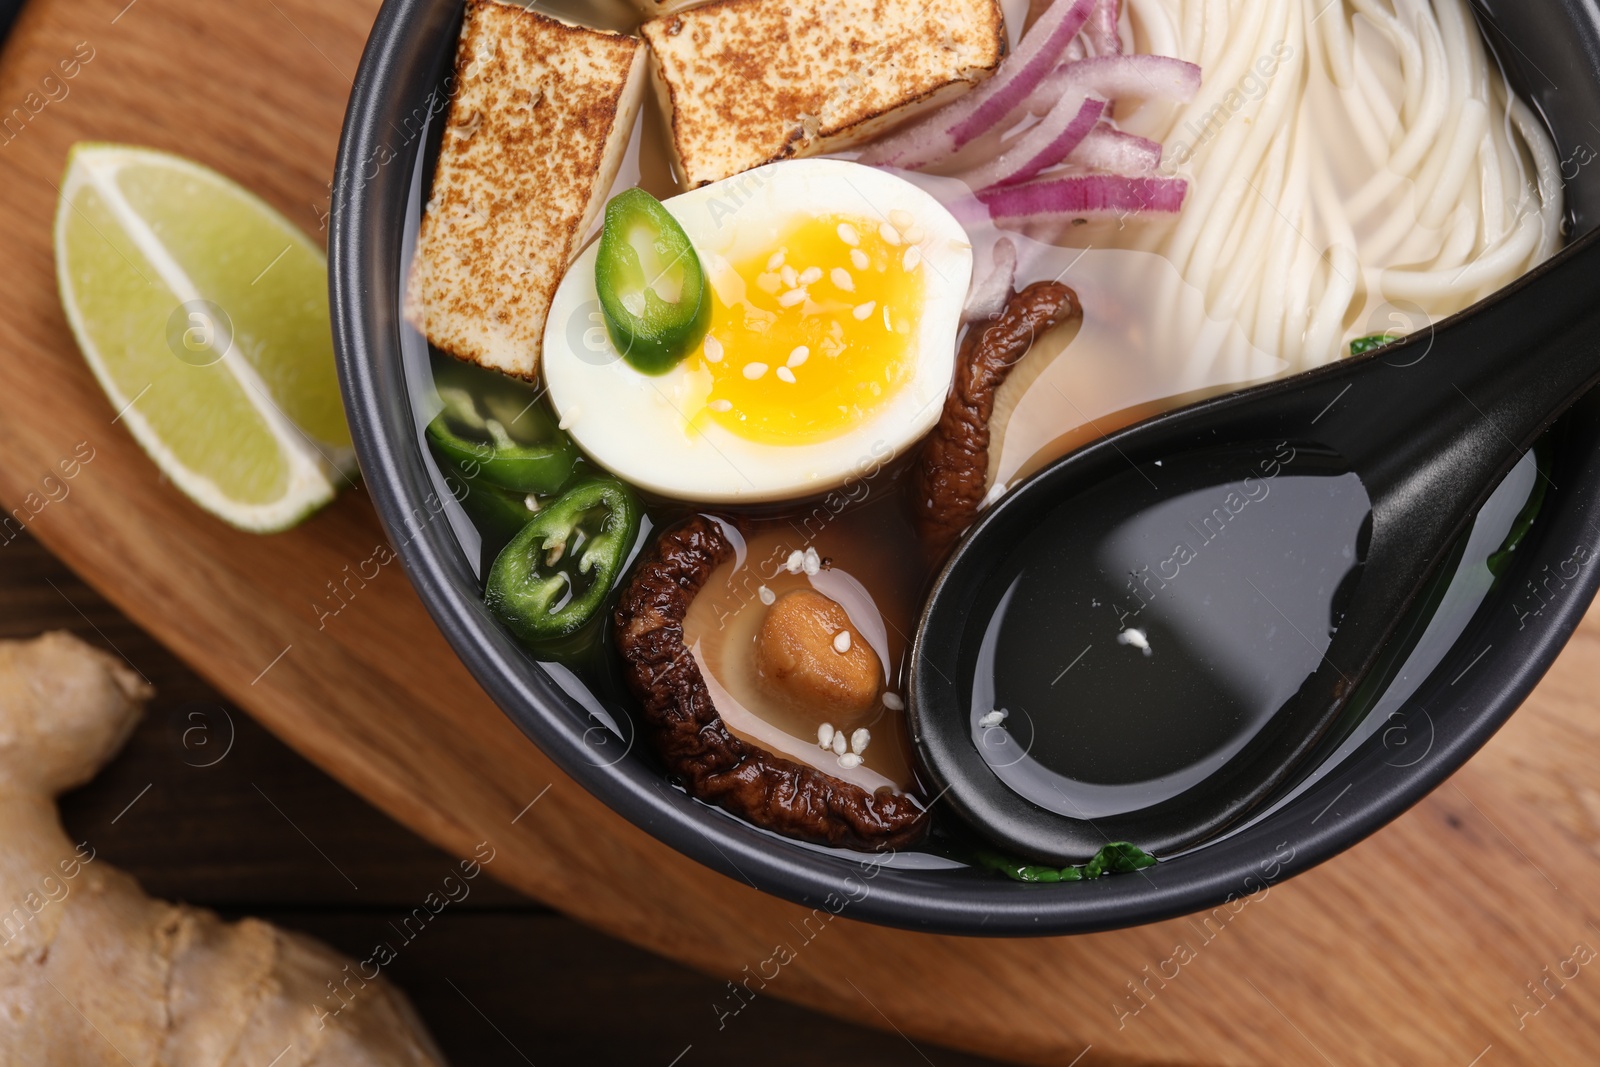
(810, 337)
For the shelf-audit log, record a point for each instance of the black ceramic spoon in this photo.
(1152, 634)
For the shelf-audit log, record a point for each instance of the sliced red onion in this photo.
(1107, 148)
(1085, 196)
(1116, 77)
(1103, 31)
(989, 293)
(987, 106)
(1043, 145)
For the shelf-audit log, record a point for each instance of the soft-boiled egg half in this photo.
(836, 294)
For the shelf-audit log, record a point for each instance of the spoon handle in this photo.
(1431, 425)
(1434, 422)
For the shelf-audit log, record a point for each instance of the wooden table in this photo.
(204, 805)
(1441, 940)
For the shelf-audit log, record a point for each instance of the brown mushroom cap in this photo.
(692, 740)
(950, 478)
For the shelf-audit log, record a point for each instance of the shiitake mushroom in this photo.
(792, 796)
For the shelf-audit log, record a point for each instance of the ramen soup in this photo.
(733, 317)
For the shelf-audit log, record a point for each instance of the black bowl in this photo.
(1551, 50)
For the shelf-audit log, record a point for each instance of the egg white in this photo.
(635, 424)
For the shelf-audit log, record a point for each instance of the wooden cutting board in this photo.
(1459, 935)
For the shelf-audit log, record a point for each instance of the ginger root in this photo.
(93, 971)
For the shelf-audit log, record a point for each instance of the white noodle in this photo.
(1383, 160)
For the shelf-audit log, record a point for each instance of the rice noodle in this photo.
(1344, 158)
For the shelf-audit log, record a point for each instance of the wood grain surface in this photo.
(204, 805)
(1463, 934)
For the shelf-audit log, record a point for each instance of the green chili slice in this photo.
(554, 575)
(652, 288)
(499, 514)
(517, 449)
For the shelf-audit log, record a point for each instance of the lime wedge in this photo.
(204, 314)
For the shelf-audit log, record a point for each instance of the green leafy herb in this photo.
(1501, 560)
(1118, 857)
(1362, 345)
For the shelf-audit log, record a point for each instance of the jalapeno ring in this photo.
(541, 465)
(652, 288)
(555, 574)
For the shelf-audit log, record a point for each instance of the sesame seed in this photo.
(993, 718)
(912, 257)
(568, 417)
(916, 235)
(800, 354)
(889, 235)
(887, 325)
(785, 375)
(791, 277)
(841, 642)
(1135, 637)
(775, 260)
(721, 405)
(902, 218)
(848, 234)
(754, 370)
(860, 740)
(811, 276)
(767, 596)
(825, 735)
(792, 297)
(841, 744)
(893, 702)
(841, 278)
(859, 260)
(713, 349)
(813, 562)
(796, 562)
(849, 761)
(863, 312)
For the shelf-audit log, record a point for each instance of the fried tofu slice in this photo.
(749, 82)
(540, 122)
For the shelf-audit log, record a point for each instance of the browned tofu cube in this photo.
(539, 124)
(752, 81)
